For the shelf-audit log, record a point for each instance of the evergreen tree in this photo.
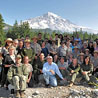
(85, 36)
(15, 30)
(19, 31)
(2, 33)
(24, 29)
(53, 34)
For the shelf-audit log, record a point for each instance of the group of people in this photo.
(28, 62)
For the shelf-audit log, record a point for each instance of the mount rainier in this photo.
(55, 22)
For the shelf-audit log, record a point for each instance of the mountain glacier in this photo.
(55, 22)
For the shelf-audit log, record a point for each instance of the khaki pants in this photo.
(86, 76)
(19, 82)
(74, 76)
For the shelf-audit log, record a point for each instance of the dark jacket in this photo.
(76, 68)
(38, 65)
(7, 61)
(88, 68)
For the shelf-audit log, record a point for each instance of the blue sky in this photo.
(80, 12)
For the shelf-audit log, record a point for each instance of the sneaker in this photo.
(71, 84)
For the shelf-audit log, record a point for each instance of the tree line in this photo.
(23, 29)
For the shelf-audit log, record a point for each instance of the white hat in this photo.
(9, 40)
(49, 57)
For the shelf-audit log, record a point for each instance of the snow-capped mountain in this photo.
(55, 22)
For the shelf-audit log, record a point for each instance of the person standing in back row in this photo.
(28, 51)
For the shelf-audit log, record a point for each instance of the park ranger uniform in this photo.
(30, 53)
(37, 48)
(17, 76)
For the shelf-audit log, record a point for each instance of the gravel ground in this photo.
(42, 92)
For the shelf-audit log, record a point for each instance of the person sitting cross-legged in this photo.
(17, 76)
(74, 69)
(50, 69)
(86, 69)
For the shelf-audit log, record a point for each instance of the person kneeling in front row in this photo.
(50, 69)
(17, 76)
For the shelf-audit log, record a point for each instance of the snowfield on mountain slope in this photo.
(55, 22)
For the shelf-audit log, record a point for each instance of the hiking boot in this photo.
(48, 86)
(12, 91)
(22, 95)
(17, 94)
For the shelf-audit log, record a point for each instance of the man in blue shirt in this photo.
(50, 69)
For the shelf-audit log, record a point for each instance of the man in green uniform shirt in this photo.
(28, 51)
(17, 76)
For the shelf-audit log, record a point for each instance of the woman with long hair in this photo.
(86, 68)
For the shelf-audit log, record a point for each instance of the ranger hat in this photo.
(76, 47)
(81, 54)
(27, 41)
(18, 56)
(9, 40)
(96, 51)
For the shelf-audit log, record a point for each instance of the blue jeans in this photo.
(50, 79)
